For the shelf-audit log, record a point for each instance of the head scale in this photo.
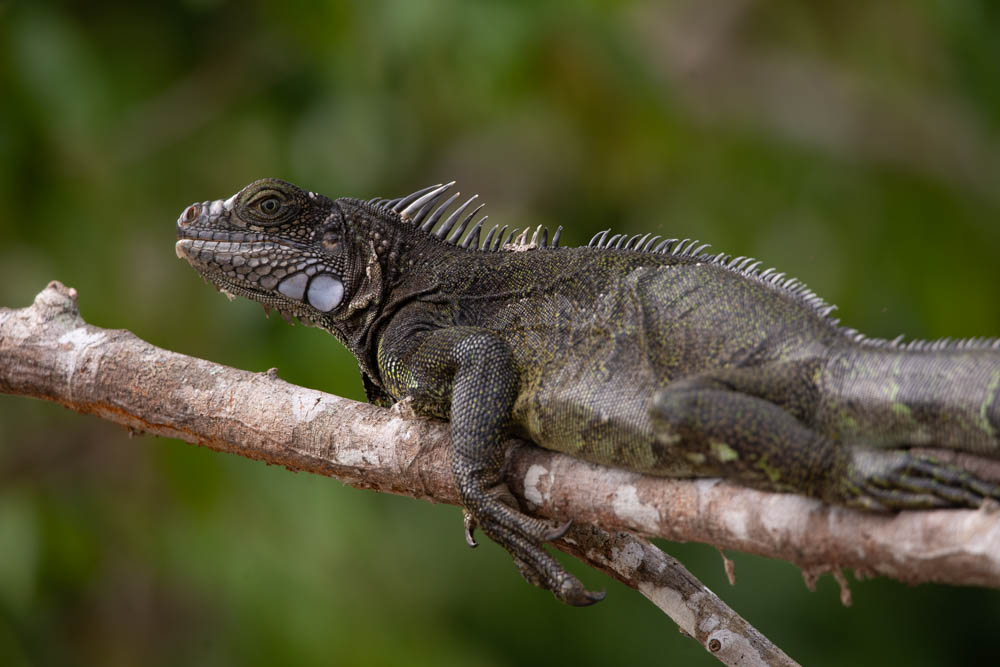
(274, 243)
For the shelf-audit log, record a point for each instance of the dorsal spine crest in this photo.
(422, 210)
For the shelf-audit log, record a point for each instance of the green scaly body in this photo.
(641, 353)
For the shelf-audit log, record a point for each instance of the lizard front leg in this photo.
(467, 375)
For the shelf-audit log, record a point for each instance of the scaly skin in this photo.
(653, 357)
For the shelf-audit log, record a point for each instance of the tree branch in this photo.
(47, 351)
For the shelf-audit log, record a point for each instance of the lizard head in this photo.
(277, 244)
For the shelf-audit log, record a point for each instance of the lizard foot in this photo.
(470, 529)
(895, 480)
(523, 536)
(568, 589)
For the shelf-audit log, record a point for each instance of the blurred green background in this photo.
(853, 145)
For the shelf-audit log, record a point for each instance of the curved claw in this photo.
(589, 598)
(470, 528)
(557, 532)
(573, 593)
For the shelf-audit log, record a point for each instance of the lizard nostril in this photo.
(190, 214)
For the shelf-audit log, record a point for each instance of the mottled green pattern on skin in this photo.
(772, 473)
(902, 410)
(723, 452)
(653, 357)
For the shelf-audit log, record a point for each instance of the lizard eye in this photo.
(269, 206)
(269, 202)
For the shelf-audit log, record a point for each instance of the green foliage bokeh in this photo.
(853, 145)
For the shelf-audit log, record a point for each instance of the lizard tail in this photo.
(939, 396)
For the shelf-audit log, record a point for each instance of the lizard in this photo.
(647, 353)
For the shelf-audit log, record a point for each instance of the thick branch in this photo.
(48, 352)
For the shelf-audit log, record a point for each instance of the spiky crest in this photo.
(749, 267)
(421, 210)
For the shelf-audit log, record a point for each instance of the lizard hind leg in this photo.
(722, 431)
(715, 429)
(890, 480)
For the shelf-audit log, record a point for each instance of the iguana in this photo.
(641, 352)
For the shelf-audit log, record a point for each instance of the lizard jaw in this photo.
(306, 285)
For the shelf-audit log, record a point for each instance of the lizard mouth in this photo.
(272, 273)
(205, 262)
(182, 248)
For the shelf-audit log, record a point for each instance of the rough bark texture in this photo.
(47, 351)
(698, 612)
